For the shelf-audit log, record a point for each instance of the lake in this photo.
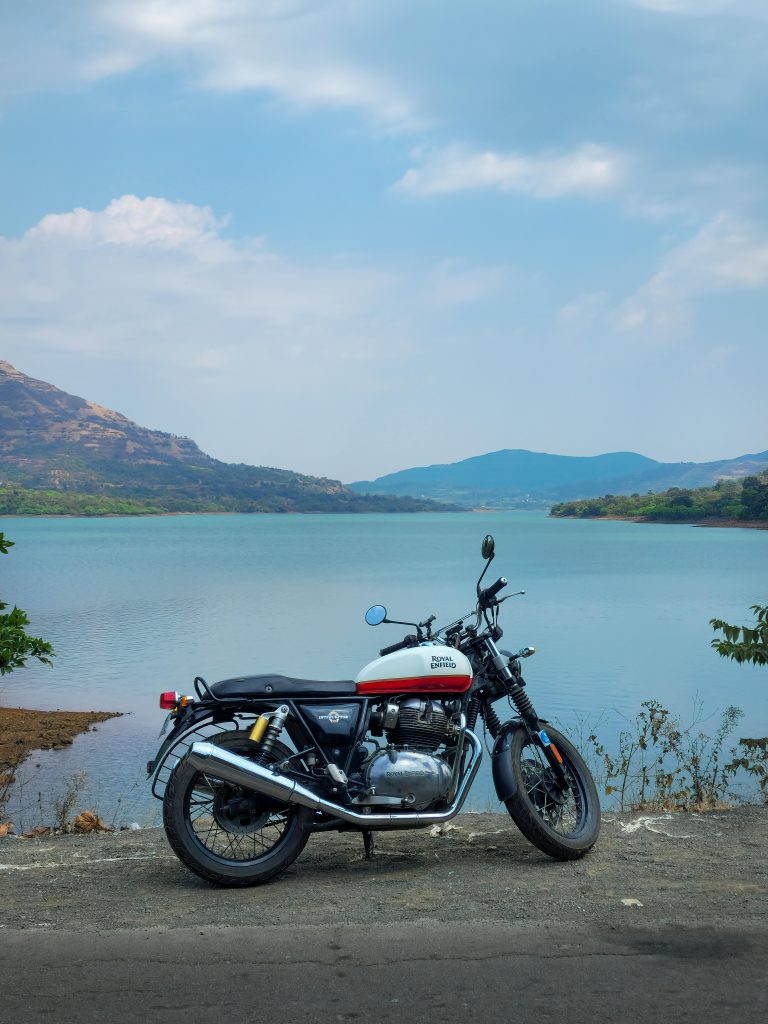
(618, 613)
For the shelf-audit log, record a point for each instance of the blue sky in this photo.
(352, 236)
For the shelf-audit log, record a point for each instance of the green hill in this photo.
(737, 501)
(517, 478)
(63, 454)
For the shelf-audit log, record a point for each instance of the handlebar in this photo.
(486, 596)
(408, 641)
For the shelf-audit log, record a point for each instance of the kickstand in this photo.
(370, 844)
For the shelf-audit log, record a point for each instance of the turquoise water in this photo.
(618, 613)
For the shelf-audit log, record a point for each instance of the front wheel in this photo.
(563, 823)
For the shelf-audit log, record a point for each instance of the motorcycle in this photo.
(254, 765)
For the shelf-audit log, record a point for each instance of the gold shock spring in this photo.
(258, 729)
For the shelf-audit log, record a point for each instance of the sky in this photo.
(353, 236)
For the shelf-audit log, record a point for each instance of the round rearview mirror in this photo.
(376, 615)
(488, 546)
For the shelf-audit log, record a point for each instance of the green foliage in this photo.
(175, 497)
(752, 757)
(661, 764)
(16, 645)
(744, 643)
(737, 500)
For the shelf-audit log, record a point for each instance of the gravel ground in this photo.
(685, 870)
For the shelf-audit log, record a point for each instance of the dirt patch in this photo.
(647, 870)
(22, 731)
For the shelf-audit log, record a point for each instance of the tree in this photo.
(744, 643)
(16, 645)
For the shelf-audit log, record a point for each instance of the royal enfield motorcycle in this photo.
(254, 765)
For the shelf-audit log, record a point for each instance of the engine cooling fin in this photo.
(421, 725)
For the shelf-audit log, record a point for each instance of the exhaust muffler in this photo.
(223, 764)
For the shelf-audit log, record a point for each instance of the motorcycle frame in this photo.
(222, 711)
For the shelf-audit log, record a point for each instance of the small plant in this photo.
(63, 804)
(660, 764)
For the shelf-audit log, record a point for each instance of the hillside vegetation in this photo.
(727, 501)
(64, 455)
(25, 501)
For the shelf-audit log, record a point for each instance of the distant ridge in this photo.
(56, 442)
(518, 478)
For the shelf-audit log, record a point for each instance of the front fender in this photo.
(501, 762)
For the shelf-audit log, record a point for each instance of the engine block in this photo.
(421, 725)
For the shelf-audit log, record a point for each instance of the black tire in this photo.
(564, 826)
(225, 834)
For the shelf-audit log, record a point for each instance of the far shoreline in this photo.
(292, 512)
(726, 524)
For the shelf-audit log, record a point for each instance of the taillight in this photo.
(169, 700)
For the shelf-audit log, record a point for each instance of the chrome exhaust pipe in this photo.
(223, 764)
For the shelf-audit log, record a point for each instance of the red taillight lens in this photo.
(169, 700)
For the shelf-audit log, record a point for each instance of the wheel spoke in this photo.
(563, 815)
(219, 817)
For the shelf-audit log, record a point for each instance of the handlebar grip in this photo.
(487, 595)
(407, 641)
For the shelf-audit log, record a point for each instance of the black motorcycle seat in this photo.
(282, 686)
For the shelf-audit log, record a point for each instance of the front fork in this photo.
(533, 724)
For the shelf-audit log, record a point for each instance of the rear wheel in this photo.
(563, 823)
(228, 834)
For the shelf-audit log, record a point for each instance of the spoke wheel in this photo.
(563, 822)
(228, 834)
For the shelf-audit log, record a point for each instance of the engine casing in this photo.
(418, 780)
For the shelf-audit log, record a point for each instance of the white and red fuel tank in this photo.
(432, 668)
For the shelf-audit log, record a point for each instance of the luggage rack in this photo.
(200, 732)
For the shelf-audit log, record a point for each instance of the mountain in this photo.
(56, 442)
(517, 478)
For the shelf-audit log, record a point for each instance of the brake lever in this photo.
(507, 596)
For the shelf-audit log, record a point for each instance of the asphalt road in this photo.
(413, 972)
(469, 925)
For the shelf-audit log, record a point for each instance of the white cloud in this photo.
(456, 168)
(726, 255)
(705, 8)
(154, 282)
(302, 52)
(259, 357)
(305, 53)
(133, 222)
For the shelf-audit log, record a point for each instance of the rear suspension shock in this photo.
(273, 730)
